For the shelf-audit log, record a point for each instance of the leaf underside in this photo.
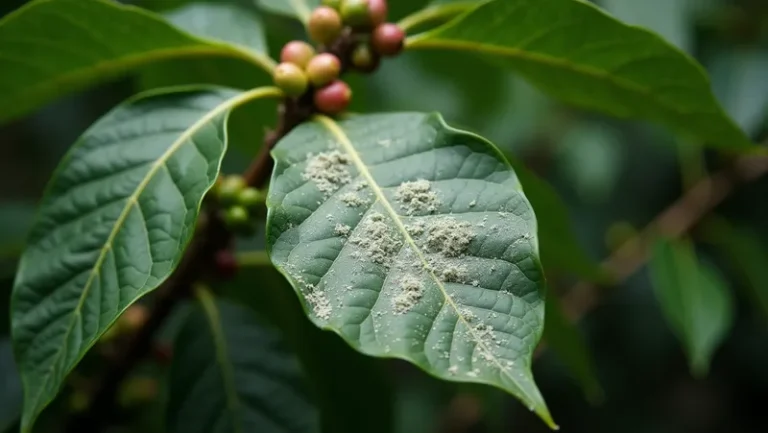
(112, 226)
(579, 54)
(412, 240)
(231, 373)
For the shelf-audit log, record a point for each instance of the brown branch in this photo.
(678, 219)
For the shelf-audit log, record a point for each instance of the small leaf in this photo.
(412, 240)
(113, 225)
(743, 249)
(694, 298)
(300, 9)
(566, 340)
(560, 249)
(54, 47)
(231, 373)
(577, 53)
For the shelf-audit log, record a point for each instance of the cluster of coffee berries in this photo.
(238, 202)
(351, 33)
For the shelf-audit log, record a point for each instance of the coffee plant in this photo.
(400, 234)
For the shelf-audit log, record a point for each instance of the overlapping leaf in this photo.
(112, 226)
(51, 47)
(231, 373)
(412, 240)
(577, 53)
(300, 9)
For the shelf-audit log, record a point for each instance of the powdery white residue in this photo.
(320, 304)
(448, 271)
(351, 199)
(342, 230)
(449, 237)
(417, 197)
(410, 292)
(377, 239)
(415, 229)
(328, 170)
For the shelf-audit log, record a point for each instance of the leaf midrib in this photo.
(132, 200)
(222, 359)
(342, 138)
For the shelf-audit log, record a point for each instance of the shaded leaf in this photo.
(10, 388)
(566, 340)
(738, 76)
(224, 22)
(231, 373)
(412, 240)
(112, 226)
(300, 9)
(577, 53)
(353, 392)
(694, 298)
(560, 248)
(53, 47)
(671, 19)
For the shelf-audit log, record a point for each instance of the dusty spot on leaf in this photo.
(378, 240)
(417, 197)
(410, 291)
(328, 171)
(449, 237)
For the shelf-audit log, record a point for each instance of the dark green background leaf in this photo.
(577, 53)
(694, 298)
(232, 373)
(10, 387)
(51, 47)
(292, 8)
(112, 226)
(412, 240)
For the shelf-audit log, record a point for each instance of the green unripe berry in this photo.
(323, 68)
(229, 189)
(336, 4)
(388, 39)
(333, 98)
(290, 79)
(237, 217)
(324, 25)
(250, 198)
(364, 59)
(297, 52)
(356, 13)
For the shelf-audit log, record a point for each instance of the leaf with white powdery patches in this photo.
(412, 240)
(579, 54)
(114, 223)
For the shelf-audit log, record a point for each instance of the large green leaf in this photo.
(224, 22)
(231, 373)
(50, 47)
(300, 9)
(577, 53)
(412, 240)
(112, 226)
(694, 298)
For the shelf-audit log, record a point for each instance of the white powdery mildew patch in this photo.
(417, 197)
(410, 291)
(342, 230)
(352, 199)
(377, 239)
(328, 171)
(320, 304)
(449, 237)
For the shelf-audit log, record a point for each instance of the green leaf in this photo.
(694, 298)
(566, 340)
(113, 225)
(744, 251)
(300, 9)
(412, 240)
(353, 392)
(51, 47)
(580, 55)
(10, 391)
(231, 373)
(560, 249)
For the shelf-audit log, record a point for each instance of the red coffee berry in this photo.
(323, 68)
(333, 98)
(378, 11)
(291, 79)
(226, 264)
(388, 39)
(297, 52)
(324, 25)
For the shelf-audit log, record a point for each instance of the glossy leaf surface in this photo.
(577, 53)
(300, 9)
(412, 240)
(51, 47)
(232, 373)
(113, 225)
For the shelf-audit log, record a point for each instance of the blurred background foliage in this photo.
(613, 176)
